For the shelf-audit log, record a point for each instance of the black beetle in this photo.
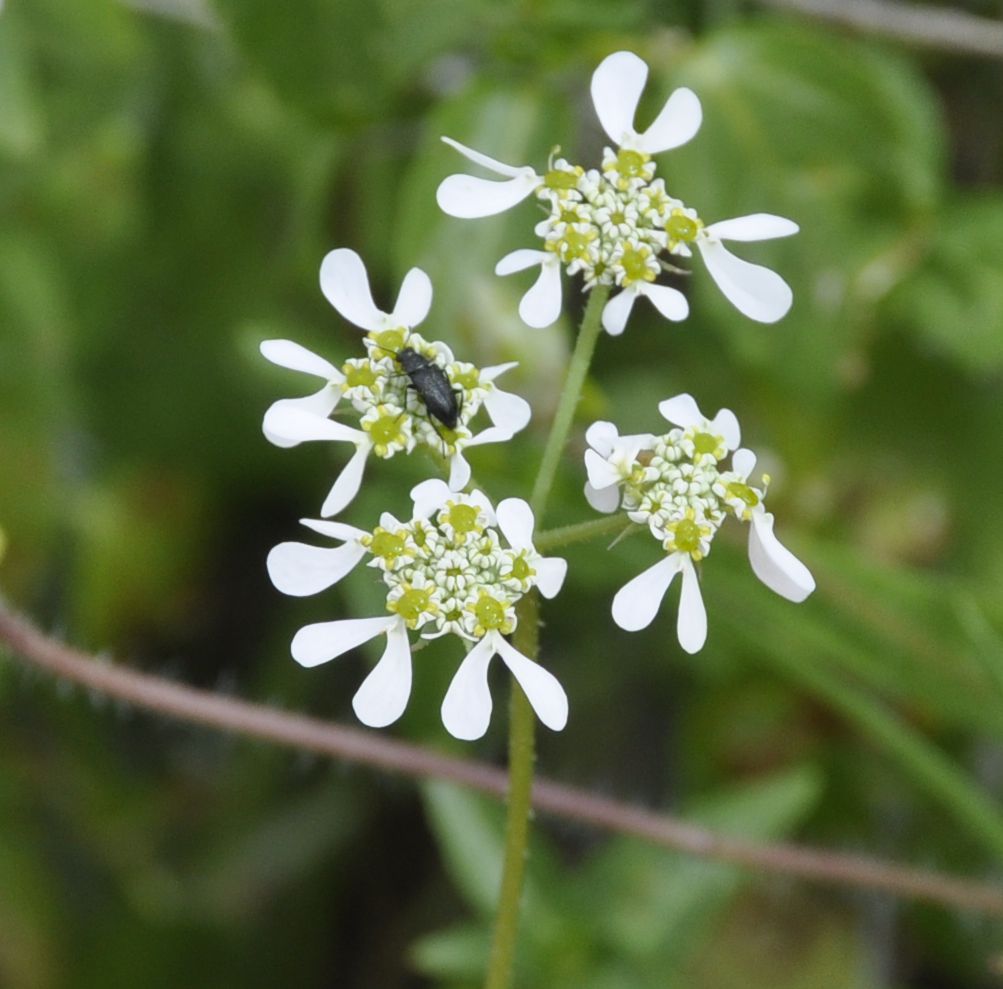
(432, 385)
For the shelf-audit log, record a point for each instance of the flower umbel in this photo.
(446, 571)
(393, 415)
(680, 487)
(615, 224)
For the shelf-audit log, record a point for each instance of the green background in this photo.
(170, 179)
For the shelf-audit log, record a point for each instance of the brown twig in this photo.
(940, 28)
(356, 745)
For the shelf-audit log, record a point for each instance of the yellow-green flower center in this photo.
(359, 375)
(489, 612)
(743, 493)
(385, 431)
(389, 340)
(681, 227)
(467, 380)
(386, 545)
(556, 178)
(463, 519)
(630, 164)
(686, 536)
(707, 443)
(412, 604)
(521, 570)
(635, 267)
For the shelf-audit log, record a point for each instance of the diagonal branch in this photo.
(296, 731)
(940, 28)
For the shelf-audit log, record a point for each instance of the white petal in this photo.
(429, 497)
(290, 422)
(414, 299)
(617, 85)
(603, 499)
(616, 312)
(753, 290)
(542, 690)
(743, 462)
(481, 500)
(492, 434)
(541, 305)
(677, 123)
(636, 603)
(499, 167)
(344, 282)
(496, 370)
(682, 410)
(670, 302)
(515, 519)
(550, 574)
(757, 226)
(336, 530)
(381, 699)
(299, 569)
(321, 403)
(346, 487)
(469, 197)
(691, 623)
(459, 472)
(285, 353)
(775, 565)
(520, 260)
(602, 437)
(725, 424)
(324, 641)
(506, 410)
(602, 474)
(466, 708)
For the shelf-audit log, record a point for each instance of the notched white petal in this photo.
(725, 424)
(677, 123)
(606, 500)
(755, 291)
(469, 197)
(429, 497)
(291, 422)
(617, 311)
(479, 158)
(617, 85)
(670, 302)
(324, 641)
(459, 472)
(299, 569)
(691, 623)
(743, 462)
(347, 485)
(466, 708)
(636, 603)
(291, 355)
(682, 410)
(541, 305)
(756, 226)
(320, 404)
(550, 574)
(542, 689)
(516, 521)
(774, 564)
(602, 474)
(602, 436)
(384, 694)
(345, 284)
(414, 299)
(507, 410)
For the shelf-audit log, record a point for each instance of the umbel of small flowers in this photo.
(679, 485)
(614, 223)
(392, 416)
(446, 572)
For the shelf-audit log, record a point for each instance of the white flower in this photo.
(393, 416)
(678, 485)
(612, 224)
(446, 572)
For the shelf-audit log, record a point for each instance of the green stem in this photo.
(578, 368)
(521, 758)
(522, 720)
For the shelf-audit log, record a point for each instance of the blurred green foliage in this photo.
(169, 181)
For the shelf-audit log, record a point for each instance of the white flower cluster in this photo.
(679, 486)
(614, 223)
(393, 416)
(446, 572)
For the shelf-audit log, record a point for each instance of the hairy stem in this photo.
(521, 757)
(613, 525)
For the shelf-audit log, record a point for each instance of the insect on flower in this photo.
(441, 399)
